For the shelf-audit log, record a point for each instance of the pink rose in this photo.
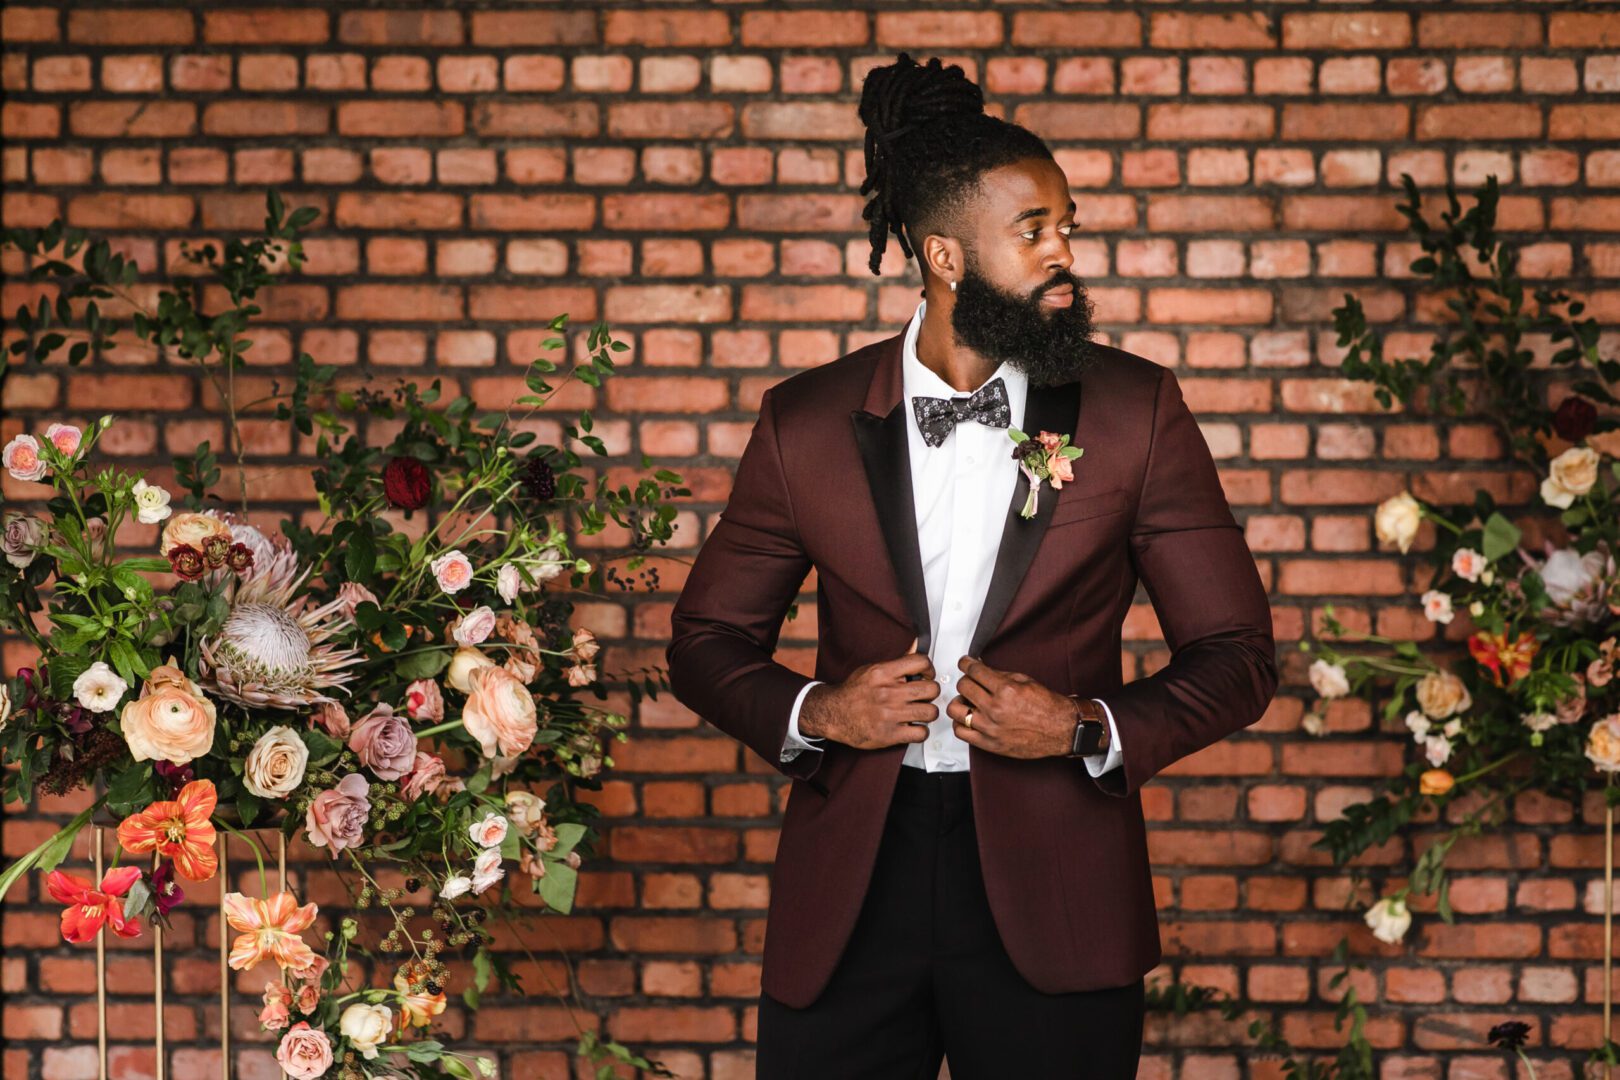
(500, 712)
(424, 701)
(21, 458)
(489, 832)
(474, 627)
(426, 776)
(385, 743)
(65, 437)
(337, 817)
(277, 1000)
(453, 571)
(305, 1052)
(334, 718)
(308, 998)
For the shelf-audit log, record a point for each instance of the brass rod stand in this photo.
(101, 963)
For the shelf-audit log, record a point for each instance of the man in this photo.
(962, 868)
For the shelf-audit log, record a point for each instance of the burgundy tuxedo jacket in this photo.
(824, 482)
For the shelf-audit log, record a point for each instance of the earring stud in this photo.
(953, 286)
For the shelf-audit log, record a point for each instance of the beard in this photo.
(1049, 345)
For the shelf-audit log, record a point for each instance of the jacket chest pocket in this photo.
(1069, 511)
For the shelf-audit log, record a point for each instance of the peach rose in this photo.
(1603, 744)
(305, 1053)
(500, 712)
(427, 775)
(489, 832)
(192, 529)
(277, 1002)
(1441, 694)
(453, 571)
(171, 720)
(275, 766)
(332, 716)
(1569, 474)
(22, 460)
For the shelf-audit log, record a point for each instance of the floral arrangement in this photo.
(401, 693)
(1048, 457)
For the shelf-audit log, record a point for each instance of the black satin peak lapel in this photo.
(1055, 409)
(884, 450)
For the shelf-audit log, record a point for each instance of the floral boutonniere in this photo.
(1045, 457)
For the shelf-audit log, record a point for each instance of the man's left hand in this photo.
(1013, 715)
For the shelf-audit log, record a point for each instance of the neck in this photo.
(939, 351)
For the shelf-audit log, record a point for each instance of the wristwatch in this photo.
(1090, 731)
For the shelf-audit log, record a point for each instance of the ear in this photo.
(943, 256)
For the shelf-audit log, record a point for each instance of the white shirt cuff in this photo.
(1097, 764)
(796, 743)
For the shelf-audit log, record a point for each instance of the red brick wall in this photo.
(691, 174)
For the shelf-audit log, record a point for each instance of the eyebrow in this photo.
(1038, 211)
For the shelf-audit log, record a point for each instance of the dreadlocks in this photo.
(928, 140)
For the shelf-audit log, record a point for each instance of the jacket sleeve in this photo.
(726, 622)
(1190, 554)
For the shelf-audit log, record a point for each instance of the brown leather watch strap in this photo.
(1091, 714)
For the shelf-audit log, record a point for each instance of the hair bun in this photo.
(901, 97)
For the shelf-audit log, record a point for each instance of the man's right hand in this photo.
(876, 706)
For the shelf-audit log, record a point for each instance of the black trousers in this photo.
(925, 975)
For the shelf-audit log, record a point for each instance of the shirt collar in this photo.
(918, 378)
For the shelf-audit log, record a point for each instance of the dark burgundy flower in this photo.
(239, 558)
(1509, 1034)
(406, 483)
(177, 776)
(538, 479)
(1574, 419)
(166, 895)
(187, 561)
(215, 549)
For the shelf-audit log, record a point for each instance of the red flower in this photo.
(187, 561)
(406, 483)
(1504, 659)
(89, 907)
(1574, 418)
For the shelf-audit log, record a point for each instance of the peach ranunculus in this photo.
(337, 817)
(172, 720)
(275, 766)
(1603, 744)
(500, 712)
(192, 529)
(178, 829)
(270, 930)
(305, 1053)
(276, 1013)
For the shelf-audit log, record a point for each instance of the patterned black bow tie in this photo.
(936, 416)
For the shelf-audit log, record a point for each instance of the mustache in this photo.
(1058, 283)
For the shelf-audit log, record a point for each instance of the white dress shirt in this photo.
(952, 485)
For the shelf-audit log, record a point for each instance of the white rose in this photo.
(552, 563)
(366, 1026)
(1389, 920)
(1437, 606)
(1437, 748)
(1451, 727)
(151, 503)
(1570, 474)
(1397, 519)
(99, 688)
(1329, 679)
(1418, 724)
(275, 766)
(5, 705)
(455, 885)
(508, 582)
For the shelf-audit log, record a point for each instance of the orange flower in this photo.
(1435, 782)
(179, 830)
(89, 907)
(417, 1009)
(1504, 659)
(270, 928)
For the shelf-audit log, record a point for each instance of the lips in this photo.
(1059, 297)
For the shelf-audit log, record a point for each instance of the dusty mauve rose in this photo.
(385, 743)
(427, 775)
(275, 766)
(305, 1053)
(337, 818)
(406, 483)
(332, 716)
(191, 530)
(24, 536)
(424, 701)
(171, 721)
(351, 594)
(500, 712)
(473, 627)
